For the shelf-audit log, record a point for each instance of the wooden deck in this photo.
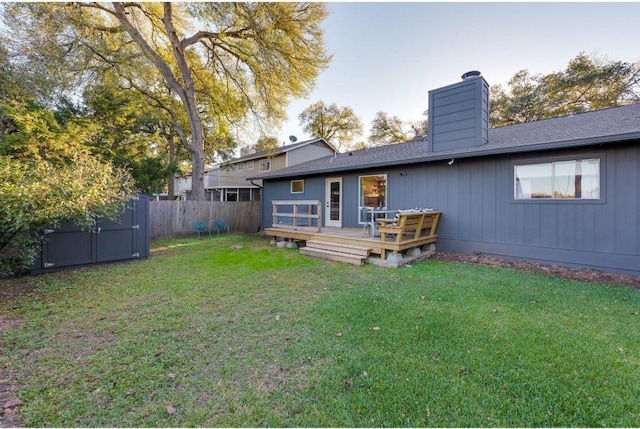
(351, 236)
(391, 246)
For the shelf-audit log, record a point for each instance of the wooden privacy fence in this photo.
(175, 218)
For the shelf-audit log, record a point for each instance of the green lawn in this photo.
(231, 331)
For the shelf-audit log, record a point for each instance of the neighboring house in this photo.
(558, 191)
(228, 181)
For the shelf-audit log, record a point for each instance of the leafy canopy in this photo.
(587, 83)
(387, 129)
(209, 66)
(339, 126)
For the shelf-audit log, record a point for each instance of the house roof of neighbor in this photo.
(280, 149)
(616, 124)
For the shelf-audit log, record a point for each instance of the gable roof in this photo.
(596, 127)
(279, 150)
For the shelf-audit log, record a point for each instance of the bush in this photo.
(35, 195)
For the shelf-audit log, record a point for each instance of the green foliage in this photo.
(266, 143)
(339, 126)
(132, 134)
(207, 66)
(36, 194)
(36, 134)
(389, 130)
(588, 83)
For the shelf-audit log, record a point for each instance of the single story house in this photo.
(562, 191)
(228, 181)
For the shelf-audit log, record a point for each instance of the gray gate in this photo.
(68, 246)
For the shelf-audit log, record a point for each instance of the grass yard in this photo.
(231, 331)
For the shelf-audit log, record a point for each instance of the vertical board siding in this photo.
(626, 215)
(479, 213)
(175, 218)
(105, 241)
(488, 195)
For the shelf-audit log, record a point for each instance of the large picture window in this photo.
(372, 194)
(559, 180)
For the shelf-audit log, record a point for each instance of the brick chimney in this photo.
(459, 114)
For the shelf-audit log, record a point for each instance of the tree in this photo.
(339, 126)
(246, 58)
(266, 143)
(133, 134)
(36, 194)
(588, 83)
(389, 130)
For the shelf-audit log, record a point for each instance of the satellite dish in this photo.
(293, 139)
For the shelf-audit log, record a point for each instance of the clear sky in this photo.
(387, 56)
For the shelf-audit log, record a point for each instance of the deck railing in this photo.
(302, 215)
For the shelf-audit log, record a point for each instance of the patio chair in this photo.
(221, 225)
(368, 219)
(200, 226)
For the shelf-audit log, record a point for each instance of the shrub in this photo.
(35, 195)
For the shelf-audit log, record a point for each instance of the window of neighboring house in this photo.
(265, 165)
(558, 180)
(372, 194)
(255, 194)
(216, 195)
(231, 194)
(244, 194)
(241, 166)
(249, 165)
(297, 186)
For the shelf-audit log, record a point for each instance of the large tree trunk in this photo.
(197, 162)
(197, 148)
(187, 94)
(185, 90)
(173, 156)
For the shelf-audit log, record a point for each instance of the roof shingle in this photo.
(600, 126)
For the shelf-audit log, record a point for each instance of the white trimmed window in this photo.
(558, 180)
(249, 165)
(372, 193)
(297, 186)
(241, 166)
(265, 165)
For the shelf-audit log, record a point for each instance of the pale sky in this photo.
(387, 56)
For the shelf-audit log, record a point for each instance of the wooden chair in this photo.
(221, 225)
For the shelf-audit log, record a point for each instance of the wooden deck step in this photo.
(336, 252)
(339, 247)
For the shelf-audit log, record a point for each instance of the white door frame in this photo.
(330, 203)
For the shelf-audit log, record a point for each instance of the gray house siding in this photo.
(481, 215)
(312, 151)
(459, 115)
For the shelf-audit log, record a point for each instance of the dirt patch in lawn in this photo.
(581, 274)
(8, 402)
